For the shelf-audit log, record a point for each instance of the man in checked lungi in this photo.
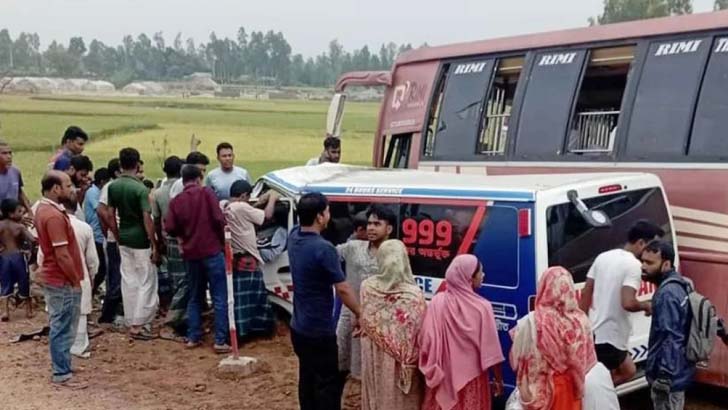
(253, 313)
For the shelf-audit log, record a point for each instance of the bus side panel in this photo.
(510, 303)
(711, 280)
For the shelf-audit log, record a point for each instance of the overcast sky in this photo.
(307, 24)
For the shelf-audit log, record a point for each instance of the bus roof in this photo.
(594, 34)
(346, 180)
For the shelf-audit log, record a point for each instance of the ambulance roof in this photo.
(346, 180)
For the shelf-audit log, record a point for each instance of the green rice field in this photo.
(266, 134)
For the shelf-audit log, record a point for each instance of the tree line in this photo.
(257, 57)
(616, 11)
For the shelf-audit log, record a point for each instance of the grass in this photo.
(267, 135)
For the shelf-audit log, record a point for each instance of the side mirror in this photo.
(596, 219)
(335, 115)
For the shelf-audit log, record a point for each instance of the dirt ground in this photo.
(159, 374)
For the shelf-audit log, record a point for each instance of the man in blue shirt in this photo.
(72, 142)
(315, 268)
(668, 370)
(221, 178)
(90, 206)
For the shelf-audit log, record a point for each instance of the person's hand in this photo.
(273, 195)
(662, 385)
(155, 256)
(357, 332)
(497, 388)
(647, 308)
(28, 220)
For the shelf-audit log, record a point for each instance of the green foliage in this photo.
(262, 57)
(721, 4)
(616, 11)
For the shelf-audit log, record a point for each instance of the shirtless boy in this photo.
(14, 242)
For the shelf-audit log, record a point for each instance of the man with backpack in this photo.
(669, 371)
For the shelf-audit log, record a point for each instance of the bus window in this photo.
(574, 244)
(434, 117)
(547, 103)
(397, 155)
(595, 118)
(460, 111)
(708, 136)
(498, 107)
(666, 93)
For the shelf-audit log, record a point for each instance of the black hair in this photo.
(82, 163)
(309, 206)
(197, 158)
(360, 220)
(332, 142)
(240, 187)
(8, 206)
(173, 166)
(223, 145)
(70, 205)
(101, 175)
(645, 230)
(50, 180)
(383, 213)
(129, 158)
(662, 248)
(72, 133)
(148, 183)
(190, 173)
(113, 166)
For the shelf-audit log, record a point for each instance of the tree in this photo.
(628, 10)
(60, 61)
(721, 4)
(6, 50)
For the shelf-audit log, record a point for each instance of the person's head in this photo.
(381, 221)
(191, 175)
(313, 211)
(360, 226)
(12, 209)
(332, 149)
(464, 274)
(140, 170)
(640, 234)
(114, 167)
(70, 204)
(240, 190)
(129, 160)
(225, 155)
(198, 159)
(101, 177)
(172, 167)
(57, 186)
(74, 139)
(658, 258)
(556, 290)
(394, 265)
(6, 155)
(148, 183)
(81, 167)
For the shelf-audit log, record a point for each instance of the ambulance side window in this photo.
(574, 244)
(497, 245)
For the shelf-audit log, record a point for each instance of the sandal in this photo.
(142, 335)
(222, 349)
(192, 345)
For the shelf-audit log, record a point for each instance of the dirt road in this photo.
(163, 375)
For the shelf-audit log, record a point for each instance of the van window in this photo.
(499, 106)
(462, 104)
(497, 245)
(574, 244)
(663, 107)
(594, 122)
(708, 136)
(547, 103)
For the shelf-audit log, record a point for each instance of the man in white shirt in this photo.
(331, 153)
(610, 294)
(221, 178)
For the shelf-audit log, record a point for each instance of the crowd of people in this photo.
(158, 249)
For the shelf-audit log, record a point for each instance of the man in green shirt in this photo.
(129, 200)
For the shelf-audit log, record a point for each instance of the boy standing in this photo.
(13, 267)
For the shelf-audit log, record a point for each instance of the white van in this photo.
(516, 225)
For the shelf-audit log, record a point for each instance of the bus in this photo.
(645, 96)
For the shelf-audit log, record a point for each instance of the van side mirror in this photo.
(335, 115)
(596, 219)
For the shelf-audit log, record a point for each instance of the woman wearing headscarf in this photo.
(553, 347)
(459, 343)
(393, 307)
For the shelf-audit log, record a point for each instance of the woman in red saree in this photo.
(459, 343)
(553, 348)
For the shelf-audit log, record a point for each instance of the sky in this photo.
(308, 25)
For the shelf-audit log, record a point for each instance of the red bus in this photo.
(650, 95)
